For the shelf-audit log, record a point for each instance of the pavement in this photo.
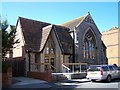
(25, 83)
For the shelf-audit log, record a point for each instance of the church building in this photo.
(89, 48)
(59, 47)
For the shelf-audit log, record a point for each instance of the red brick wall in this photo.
(47, 76)
(7, 78)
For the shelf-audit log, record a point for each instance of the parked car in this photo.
(102, 72)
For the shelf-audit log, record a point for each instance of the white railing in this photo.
(75, 67)
(65, 68)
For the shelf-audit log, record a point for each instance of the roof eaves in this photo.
(81, 21)
(71, 21)
(104, 44)
(58, 39)
(72, 24)
(50, 28)
(19, 21)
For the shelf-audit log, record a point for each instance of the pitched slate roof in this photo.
(32, 32)
(71, 24)
(45, 33)
(64, 38)
(36, 33)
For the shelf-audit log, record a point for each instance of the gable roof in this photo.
(45, 34)
(32, 32)
(64, 38)
(76, 22)
(73, 23)
(36, 34)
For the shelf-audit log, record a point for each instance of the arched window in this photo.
(89, 47)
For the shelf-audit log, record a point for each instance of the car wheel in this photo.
(108, 78)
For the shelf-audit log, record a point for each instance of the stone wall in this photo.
(111, 38)
(82, 29)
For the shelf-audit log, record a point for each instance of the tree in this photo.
(7, 38)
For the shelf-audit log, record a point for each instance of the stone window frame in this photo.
(87, 53)
(48, 56)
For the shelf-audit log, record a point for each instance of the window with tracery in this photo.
(50, 47)
(49, 55)
(89, 47)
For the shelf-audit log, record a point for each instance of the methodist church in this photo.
(89, 47)
(62, 48)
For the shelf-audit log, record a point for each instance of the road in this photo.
(71, 85)
(87, 85)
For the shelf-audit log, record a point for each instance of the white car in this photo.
(102, 72)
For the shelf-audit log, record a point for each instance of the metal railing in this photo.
(65, 68)
(75, 67)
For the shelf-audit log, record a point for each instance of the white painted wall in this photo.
(17, 51)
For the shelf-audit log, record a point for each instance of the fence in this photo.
(18, 66)
(66, 67)
(74, 67)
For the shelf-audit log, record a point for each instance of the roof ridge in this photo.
(32, 19)
(62, 26)
(47, 26)
(74, 19)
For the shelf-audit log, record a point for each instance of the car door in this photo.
(116, 71)
(105, 71)
(112, 72)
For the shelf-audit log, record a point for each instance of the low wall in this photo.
(68, 76)
(47, 76)
(78, 75)
(7, 78)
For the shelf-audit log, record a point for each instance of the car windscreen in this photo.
(94, 68)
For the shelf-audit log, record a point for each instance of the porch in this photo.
(66, 67)
(46, 71)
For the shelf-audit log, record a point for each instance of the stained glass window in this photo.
(89, 50)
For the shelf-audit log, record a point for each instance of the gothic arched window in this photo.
(89, 47)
